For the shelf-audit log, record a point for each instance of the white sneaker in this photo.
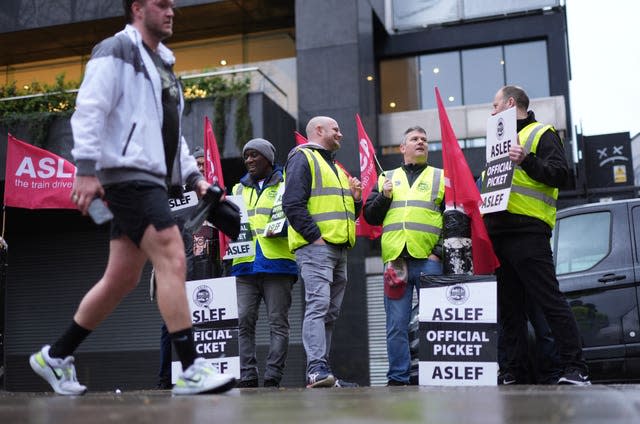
(59, 373)
(201, 377)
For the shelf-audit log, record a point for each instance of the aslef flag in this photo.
(368, 178)
(36, 178)
(213, 171)
(300, 139)
(461, 191)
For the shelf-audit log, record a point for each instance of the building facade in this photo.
(378, 58)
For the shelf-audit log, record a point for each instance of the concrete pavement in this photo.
(609, 404)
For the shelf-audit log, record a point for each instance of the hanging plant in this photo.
(223, 91)
(36, 112)
(45, 102)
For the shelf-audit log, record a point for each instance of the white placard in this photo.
(277, 218)
(462, 302)
(458, 373)
(458, 334)
(213, 306)
(243, 245)
(188, 200)
(498, 173)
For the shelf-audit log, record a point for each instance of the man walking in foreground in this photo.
(128, 149)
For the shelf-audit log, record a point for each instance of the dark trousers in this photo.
(527, 270)
(546, 369)
(275, 291)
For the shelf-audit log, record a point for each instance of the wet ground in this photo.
(609, 404)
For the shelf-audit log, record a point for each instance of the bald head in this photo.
(324, 131)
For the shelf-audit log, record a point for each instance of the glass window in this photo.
(572, 253)
(482, 74)
(399, 90)
(440, 70)
(526, 66)
(475, 142)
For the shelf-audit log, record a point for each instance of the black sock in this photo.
(185, 348)
(69, 341)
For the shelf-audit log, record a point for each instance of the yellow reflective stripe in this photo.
(330, 191)
(317, 173)
(414, 204)
(258, 211)
(412, 226)
(532, 135)
(435, 187)
(535, 194)
(330, 216)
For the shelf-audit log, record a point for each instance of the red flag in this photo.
(213, 172)
(368, 178)
(36, 178)
(461, 191)
(300, 139)
(212, 167)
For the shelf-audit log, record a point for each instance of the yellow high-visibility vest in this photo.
(259, 211)
(330, 203)
(528, 196)
(414, 218)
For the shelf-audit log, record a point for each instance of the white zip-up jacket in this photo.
(117, 124)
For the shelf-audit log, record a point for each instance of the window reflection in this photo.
(482, 74)
(573, 254)
(526, 66)
(440, 70)
(399, 85)
(464, 77)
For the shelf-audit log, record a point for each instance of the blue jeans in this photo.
(398, 317)
(324, 271)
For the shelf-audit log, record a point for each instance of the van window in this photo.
(581, 241)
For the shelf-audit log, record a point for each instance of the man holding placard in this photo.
(520, 233)
(268, 275)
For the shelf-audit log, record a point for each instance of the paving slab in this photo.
(609, 404)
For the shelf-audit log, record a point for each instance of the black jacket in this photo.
(298, 189)
(549, 166)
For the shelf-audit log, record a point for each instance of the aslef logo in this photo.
(500, 129)
(202, 296)
(457, 294)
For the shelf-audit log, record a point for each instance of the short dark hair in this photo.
(126, 4)
(412, 129)
(518, 94)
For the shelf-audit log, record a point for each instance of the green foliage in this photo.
(223, 91)
(37, 113)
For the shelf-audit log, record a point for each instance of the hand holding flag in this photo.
(369, 179)
(462, 192)
(213, 172)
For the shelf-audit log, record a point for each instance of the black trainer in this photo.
(394, 383)
(506, 379)
(271, 383)
(243, 384)
(576, 377)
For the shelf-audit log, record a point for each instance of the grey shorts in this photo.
(135, 206)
